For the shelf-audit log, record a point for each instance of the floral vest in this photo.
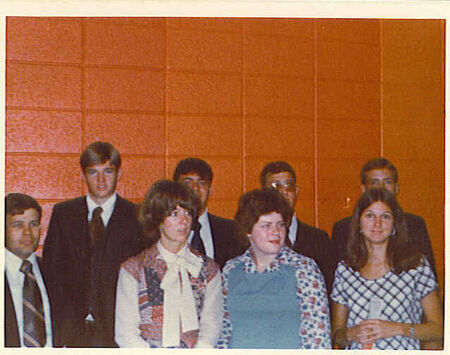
(148, 270)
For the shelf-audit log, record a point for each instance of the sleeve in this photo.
(424, 279)
(211, 316)
(53, 272)
(337, 295)
(313, 305)
(225, 335)
(424, 243)
(327, 260)
(127, 333)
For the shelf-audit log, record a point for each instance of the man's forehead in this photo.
(104, 165)
(283, 175)
(384, 173)
(191, 175)
(18, 216)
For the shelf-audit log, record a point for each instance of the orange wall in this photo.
(236, 92)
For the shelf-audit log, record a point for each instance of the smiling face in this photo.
(267, 236)
(22, 233)
(101, 181)
(175, 229)
(377, 222)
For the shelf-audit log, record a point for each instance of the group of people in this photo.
(167, 273)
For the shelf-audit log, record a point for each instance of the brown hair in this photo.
(99, 153)
(193, 165)
(256, 203)
(275, 167)
(378, 163)
(160, 200)
(17, 203)
(401, 254)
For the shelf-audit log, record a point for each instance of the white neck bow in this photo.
(179, 304)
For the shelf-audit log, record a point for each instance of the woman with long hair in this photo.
(168, 295)
(384, 286)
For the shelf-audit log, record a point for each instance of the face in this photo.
(268, 235)
(175, 229)
(201, 187)
(285, 184)
(22, 233)
(378, 178)
(101, 181)
(377, 222)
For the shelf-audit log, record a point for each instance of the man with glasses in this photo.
(303, 238)
(212, 235)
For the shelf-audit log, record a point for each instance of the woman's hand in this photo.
(370, 330)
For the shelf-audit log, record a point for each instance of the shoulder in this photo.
(219, 220)
(134, 264)
(233, 263)
(291, 258)
(70, 204)
(342, 223)
(125, 205)
(209, 264)
(413, 219)
(311, 231)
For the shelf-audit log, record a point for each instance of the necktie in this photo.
(33, 313)
(196, 241)
(96, 226)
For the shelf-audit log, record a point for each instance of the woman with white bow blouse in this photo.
(168, 295)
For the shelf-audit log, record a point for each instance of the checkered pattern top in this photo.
(400, 293)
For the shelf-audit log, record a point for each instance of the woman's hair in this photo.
(160, 200)
(256, 203)
(401, 254)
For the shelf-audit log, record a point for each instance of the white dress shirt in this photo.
(15, 280)
(205, 234)
(108, 208)
(127, 333)
(293, 229)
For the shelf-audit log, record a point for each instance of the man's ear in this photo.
(297, 189)
(83, 176)
(210, 191)
(119, 174)
(363, 188)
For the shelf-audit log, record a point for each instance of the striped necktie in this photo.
(33, 313)
(196, 241)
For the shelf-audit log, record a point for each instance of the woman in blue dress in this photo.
(384, 292)
(274, 298)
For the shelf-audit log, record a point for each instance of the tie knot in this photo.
(197, 226)
(26, 267)
(97, 212)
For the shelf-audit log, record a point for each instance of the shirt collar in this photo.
(203, 218)
(13, 262)
(107, 206)
(250, 265)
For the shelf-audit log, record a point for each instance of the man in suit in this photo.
(27, 309)
(303, 238)
(83, 250)
(380, 172)
(213, 235)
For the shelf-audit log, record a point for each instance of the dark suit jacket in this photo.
(12, 338)
(67, 268)
(222, 231)
(315, 243)
(417, 232)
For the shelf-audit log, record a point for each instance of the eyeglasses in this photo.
(287, 185)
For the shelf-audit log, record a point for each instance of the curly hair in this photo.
(254, 204)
